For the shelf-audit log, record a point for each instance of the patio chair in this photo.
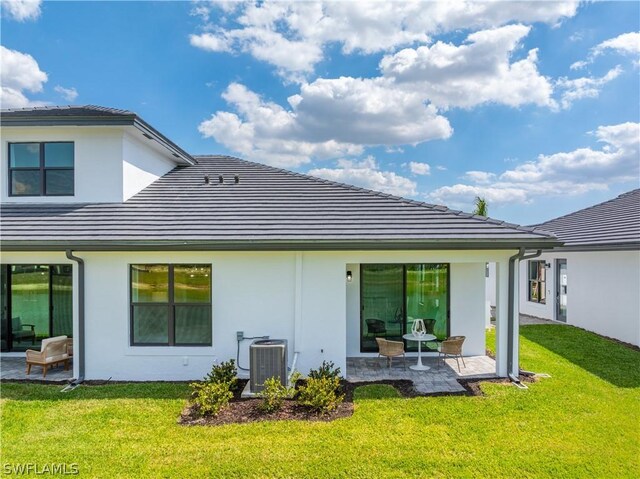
(21, 331)
(375, 326)
(451, 347)
(390, 350)
(53, 351)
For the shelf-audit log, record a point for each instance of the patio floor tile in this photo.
(437, 379)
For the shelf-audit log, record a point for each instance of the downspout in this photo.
(511, 305)
(81, 341)
(297, 314)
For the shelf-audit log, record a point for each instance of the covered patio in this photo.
(442, 378)
(15, 368)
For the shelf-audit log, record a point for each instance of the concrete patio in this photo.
(441, 379)
(12, 367)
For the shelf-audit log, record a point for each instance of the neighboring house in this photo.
(153, 260)
(593, 281)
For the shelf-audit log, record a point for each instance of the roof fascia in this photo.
(190, 245)
(119, 120)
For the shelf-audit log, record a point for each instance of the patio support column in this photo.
(502, 308)
(515, 370)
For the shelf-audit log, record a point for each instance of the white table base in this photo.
(419, 366)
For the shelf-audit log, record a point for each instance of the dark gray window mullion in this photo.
(42, 178)
(172, 309)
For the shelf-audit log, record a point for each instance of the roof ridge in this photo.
(423, 204)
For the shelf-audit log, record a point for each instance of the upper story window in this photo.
(537, 282)
(41, 169)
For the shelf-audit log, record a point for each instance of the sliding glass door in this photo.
(382, 304)
(393, 296)
(36, 304)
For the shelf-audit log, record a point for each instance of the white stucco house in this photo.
(154, 260)
(593, 280)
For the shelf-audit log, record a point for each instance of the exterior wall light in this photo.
(349, 277)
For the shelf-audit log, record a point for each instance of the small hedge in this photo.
(209, 398)
(321, 394)
(213, 394)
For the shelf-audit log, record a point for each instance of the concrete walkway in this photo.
(441, 379)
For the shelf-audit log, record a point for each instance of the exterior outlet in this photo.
(185, 361)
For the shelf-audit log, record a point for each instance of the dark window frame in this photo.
(363, 347)
(42, 169)
(540, 284)
(171, 306)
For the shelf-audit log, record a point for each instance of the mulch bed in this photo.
(245, 410)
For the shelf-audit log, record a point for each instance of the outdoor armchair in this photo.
(452, 347)
(390, 350)
(53, 351)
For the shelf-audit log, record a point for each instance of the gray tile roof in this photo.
(612, 224)
(58, 111)
(268, 208)
(88, 115)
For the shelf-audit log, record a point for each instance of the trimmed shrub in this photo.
(326, 370)
(209, 398)
(320, 394)
(225, 372)
(274, 393)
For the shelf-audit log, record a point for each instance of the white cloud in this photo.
(328, 119)
(19, 72)
(419, 168)
(579, 65)
(366, 112)
(21, 10)
(292, 35)
(69, 94)
(211, 42)
(624, 44)
(367, 174)
(627, 43)
(265, 131)
(565, 173)
(478, 71)
(585, 87)
(481, 177)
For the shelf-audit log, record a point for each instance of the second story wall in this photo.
(110, 164)
(142, 165)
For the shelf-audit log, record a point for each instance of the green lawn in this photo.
(582, 422)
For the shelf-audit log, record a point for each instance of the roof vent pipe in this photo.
(237, 179)
(206, 179)
(220, 179)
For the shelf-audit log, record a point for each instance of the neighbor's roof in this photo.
(88, 115)
(614, 224)
(268, 208)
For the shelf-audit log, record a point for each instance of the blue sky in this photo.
(533, 106)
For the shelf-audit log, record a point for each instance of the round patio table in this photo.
(425, 337)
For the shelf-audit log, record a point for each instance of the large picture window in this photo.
(537, 282)
(41, 169)
(170, 304)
